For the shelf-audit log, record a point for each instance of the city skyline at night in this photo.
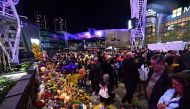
(81, 15)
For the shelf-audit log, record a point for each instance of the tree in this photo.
(186, 35)
(151, 39)
(173, 34)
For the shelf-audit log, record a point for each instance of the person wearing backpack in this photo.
(143, 75)
(105, 93)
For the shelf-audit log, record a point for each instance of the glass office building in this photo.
(162, 22)
(178, 20)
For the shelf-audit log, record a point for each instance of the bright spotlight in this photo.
(36, 41)
(130, 24)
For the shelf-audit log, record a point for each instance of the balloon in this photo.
(43, 69)
(70, 67)
(58, 69)
(119, 59)
(47, 95)
(59, 92)
(43, 64)
(39, 103)
(47, 71)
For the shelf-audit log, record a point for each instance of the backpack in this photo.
(143, 72)
(103, 92)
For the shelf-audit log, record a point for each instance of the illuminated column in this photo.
(9, 11)
(159, 22)
(138, 11)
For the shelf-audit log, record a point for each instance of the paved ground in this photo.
(120, 92)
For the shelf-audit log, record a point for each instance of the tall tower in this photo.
(8, 18)
(138, 12)
(59, 24)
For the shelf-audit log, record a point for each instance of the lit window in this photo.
(183, 19)
(176, 12)
(153, 30)
(186, 18)
(175, 21)
(179, 21)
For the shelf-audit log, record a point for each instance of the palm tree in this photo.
(186, 35)
(172, 35)
(150, 40)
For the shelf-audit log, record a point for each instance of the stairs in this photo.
(9, 17)
(138, 11)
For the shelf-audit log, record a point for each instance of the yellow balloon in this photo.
(43, 69)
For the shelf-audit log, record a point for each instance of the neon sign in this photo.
(150, 12)
(179, 11)
(186, 9)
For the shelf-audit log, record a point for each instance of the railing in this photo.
(23, 94)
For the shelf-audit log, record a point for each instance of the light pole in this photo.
(55, 24)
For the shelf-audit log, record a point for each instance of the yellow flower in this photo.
(73, 78)
(175, 65)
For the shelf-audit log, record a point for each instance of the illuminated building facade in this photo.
(179, 20)
(161, 22)
(151, 22)
(117, 38)
(52, 40)
(155, 16)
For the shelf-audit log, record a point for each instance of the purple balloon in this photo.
(43, 64)
(47, 71)
(58, 69)
(70, 67)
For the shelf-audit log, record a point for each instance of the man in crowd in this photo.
(95, 75)
(158, 80)
(130, 78)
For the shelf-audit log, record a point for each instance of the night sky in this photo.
(83, 14)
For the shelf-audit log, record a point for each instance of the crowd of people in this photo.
(164, 76)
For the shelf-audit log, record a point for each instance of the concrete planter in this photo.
(23, 94)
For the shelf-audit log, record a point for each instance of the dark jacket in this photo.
(130, 72)
(159, 89)
(95, 73)
(184, 101)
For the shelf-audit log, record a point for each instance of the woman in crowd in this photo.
(172, 97)
(106, 96)
(184, 101)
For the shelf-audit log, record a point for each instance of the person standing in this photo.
(130, 78)
(95, 75)
(172, 97)
(158, 80)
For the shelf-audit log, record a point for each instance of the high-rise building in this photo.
(58, 24)
(161, 22)
(41, 21)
